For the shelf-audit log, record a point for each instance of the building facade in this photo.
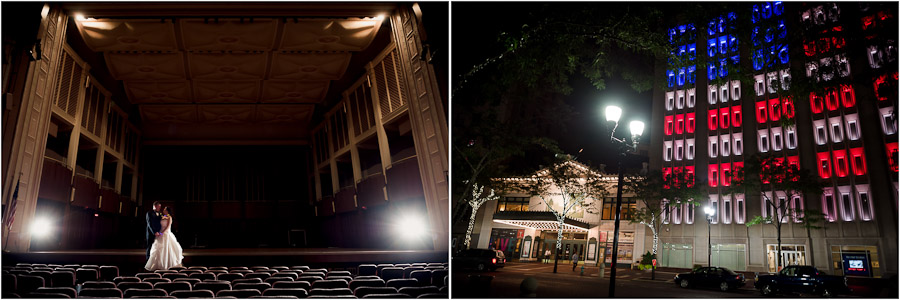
(709, 121)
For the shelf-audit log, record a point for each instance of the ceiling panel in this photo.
(128, 35)
(354, 34)
(222, 66)
(146, 66)
(281, 91)
(309, 66)
(233, 34)
(228, 91)
(178, 114)
(144, 92)
(284, 113)
(223, 113)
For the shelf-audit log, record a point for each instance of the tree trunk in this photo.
(655, 246)
(559, 235)
(809, 237)
(780, 263)
(475, 207)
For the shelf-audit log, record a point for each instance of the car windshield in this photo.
(729, 272)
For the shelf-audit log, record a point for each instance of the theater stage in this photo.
(339, 258)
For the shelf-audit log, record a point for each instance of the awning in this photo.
(539, 220)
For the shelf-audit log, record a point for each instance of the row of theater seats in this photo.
(91, 281)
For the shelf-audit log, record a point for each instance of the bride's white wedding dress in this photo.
(165, 252)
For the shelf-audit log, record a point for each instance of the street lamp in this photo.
(613, 113)
(709, 216)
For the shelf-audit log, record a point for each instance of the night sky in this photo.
(475, 29)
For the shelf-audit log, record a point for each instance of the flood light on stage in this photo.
(411, 227)
(41, 227)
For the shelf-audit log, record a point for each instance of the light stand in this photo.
(709, 215)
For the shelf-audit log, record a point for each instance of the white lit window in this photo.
(664, 206)
(736, 90)
(689, 149)
(785, 79)
(864, 202)
(725, 140)
(726, 209)
(772, 80)
(713, 146)
(713, 94)
(679, 150)
(829, 208)
(714, 203)
(781, 203)
(760, 87)
(827, 71)
(837, 130)
(670, 101)
(740, 209)
(676, 213)
(691, 98)
(763, 140)
(688, 213)
(888, 121)
(876, 57)
(738, 141)
(820, 132)
(852, 122)
(767, 210)
(776, 139)
(812, 70)
(679, 99)
(723, 93)
(790, 134)
(846, 204)
(797, 208)
(842, 66)
(668, 151)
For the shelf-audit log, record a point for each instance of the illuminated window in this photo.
(785, 75)
(725, 174)
(679, 124)
(772, 80)
(629, 205)
(827, 70)
(858, 161)
(763, 140)
(688, 213)
(842, 65)
(812, 70)
(736, 119)
(768, 211)
(790, 134)
(820, 132)
(761, 112)
(781, 203)
(824, 164)
(691, 122)
(711, 71)
(828, 204)
(725, 141)
(832, 99)
(787, 107)
(797, 208)
(760, 86)
(513, 204)
(664, 214)
(726, 209)
(689, 149)
(679, 99)
(711, 47)
(837, 129)
(840, 163)
(691, 98)
(713, 94)
(668, 152)
(670, 101)
(816, 103)
(738, 142)
(724, 118)
(681, 76)
(774, 109)
(736, 90)
(740, 209)
(776, 139)
(864, 202)
(876, 57)
(669, 126)
(714, 204)
(676, 213)
(670, 78)
(679, 150)
(713, 119)
(713, 175)
(846, 203)
(852, 122)
(888, 120)
(713, 146)
(723, 93)
(892, 156)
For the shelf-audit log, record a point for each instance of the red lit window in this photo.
(848, 97)
(774, 109)
(892, 156)
(713, 119)
(823, 45)
(840, 163)
(815, 103)
(667, 172)
(794, 161)
(787, 106)
(726, 173)
(832, 99)
(723, 117)
(669, 125)
(881, 84)
(713, 175)
(858, 161)
(809, 48)
(736, 114)
(868, 22)
(824, 164)
(838, 42)
(761, 112)
(679, 124)
(677, 172)
(691, 123)
(689, 170)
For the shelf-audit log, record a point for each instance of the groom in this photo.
(153, 219)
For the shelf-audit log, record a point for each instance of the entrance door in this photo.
(790, 255)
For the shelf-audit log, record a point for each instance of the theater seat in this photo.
(309, 279)
(193, 294)
(26, 284)
(415, 291)
(157, 280)
(365, 282)
(299, 293)
(99, 285)
(280, 268)
(174, 276)
(246, 280)
(292, 275)
(108, 273)
(398, 295)
(319, 270)
(191, 281)
(301, 268)
(408, 270)
(153, 297)
(170, 287)
(432, 295)
(401, 283)
(203, 276)
(292, 285)
(391, 273)
(333, 296)
(344, 278)
(273, 297)
(330, 292)
(143, 276)
(46, 295)
(437, 277)
(242, 293)
(9, 282)
(329, 284)
(368, 290)
(229, 276)
(338, 273)
(256, 286)
(367, 269)
(215, 287)
(260, 275)
(82, 275)
(42, 274)
(100, 293)
(131, 293)
(59, 290)
(124, 286)
(275, 279)
(120, 279)
(423, 276)
(367, 277)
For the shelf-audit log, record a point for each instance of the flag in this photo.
(11, 211)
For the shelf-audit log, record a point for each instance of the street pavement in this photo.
(568, 284)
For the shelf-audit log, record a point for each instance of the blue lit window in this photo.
(671, 34)
(682, 29)
(754, 36)
(777, 8)
(711, 71)
(711, 30)
(723, 44)
(723, 67)
(721, 25)
(733, 17)
(681, 51)
(755, 15)
(782, 31)
(732, 44)
(681, 77)
(735, 60)
(770, 35)
(758, 60)
(766, 10)
(670, 78)
(692, 71)
(783, 54)
(711, 47)
(692, 51)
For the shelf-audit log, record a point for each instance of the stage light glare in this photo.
(410, 227)
(41, 227)
(80, 17)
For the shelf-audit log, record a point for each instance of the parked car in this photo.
(721, 278)
(480, 259)
(802, 280)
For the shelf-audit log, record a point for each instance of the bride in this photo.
(165, 252)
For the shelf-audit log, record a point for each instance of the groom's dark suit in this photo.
(153, 226)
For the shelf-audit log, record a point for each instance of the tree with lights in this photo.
(476, 203)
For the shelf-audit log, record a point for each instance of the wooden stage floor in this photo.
(313, 257)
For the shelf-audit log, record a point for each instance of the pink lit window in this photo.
(858, 161)
(816, 104)
(848, 97)
(736, 114)
(774, 109)
(727, 212)
(714, 203)
(794, 161)
(881, 85)
(669, 125)
(664, 206)
(864, 202)
(723, 117)
(787, 106)
(846, 203)
(691, 123)
(824, 164)
(725, 168)
(689, 171)
(761, 112)
(667, 172)
(840, 163)
(713, 120)
(688, 213)
(713, 175)
(829, 207)
(679, 124)
(740, 209)
(676, 213)
(832, 99)
(797, 208)
(892, 152)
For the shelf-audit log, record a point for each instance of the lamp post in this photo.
(613, 113)
(709, 215)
